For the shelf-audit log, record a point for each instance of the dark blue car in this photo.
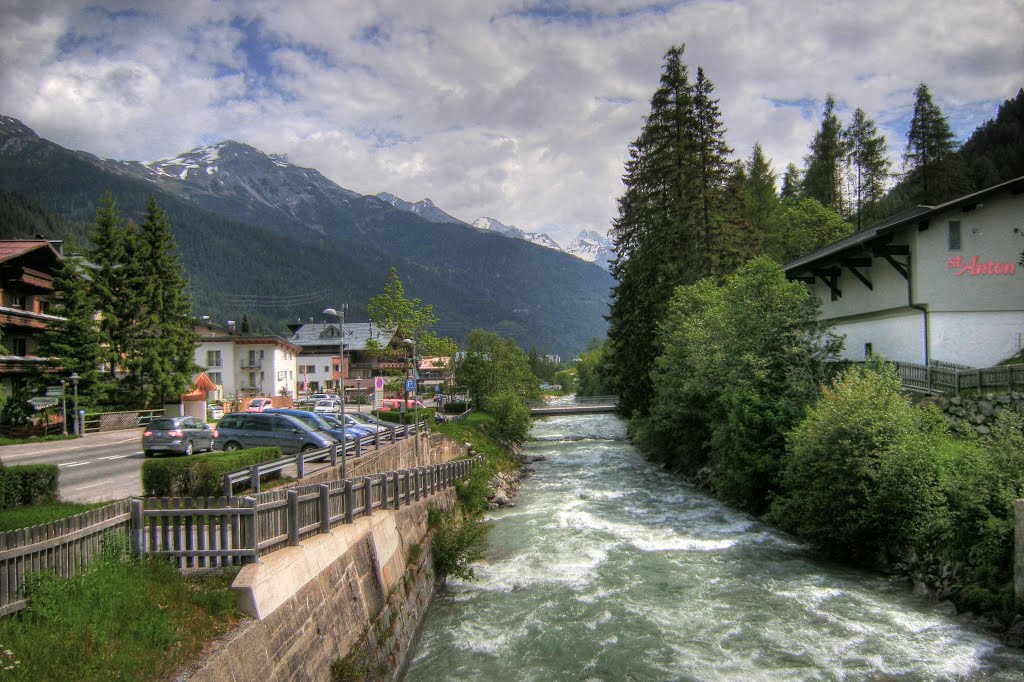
(313, 420)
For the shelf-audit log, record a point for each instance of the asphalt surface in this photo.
(94, 468)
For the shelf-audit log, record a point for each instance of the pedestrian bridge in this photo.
(575, 405)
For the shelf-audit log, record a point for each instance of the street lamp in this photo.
(415, 405)
(74, 385)
(340, 314)
(63, 407)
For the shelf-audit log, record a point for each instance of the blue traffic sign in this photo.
(410, 385)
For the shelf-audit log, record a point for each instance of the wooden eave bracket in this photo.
(852, 264)
(831, 279)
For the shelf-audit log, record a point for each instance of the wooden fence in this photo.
(947, 378)
(212, 532)
(64, 546)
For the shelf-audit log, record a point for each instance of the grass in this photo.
(120, 619)
(34, 439)
(24, 517)
(477, 428)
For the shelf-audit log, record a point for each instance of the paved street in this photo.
(94, 468)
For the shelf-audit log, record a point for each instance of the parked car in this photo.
(316, 421)
(259, 404)
(256, 429)
(370, 420)
(327, 406)
(389, 404)
(350, 425)
(179, 435)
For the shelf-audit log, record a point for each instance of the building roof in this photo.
(920, 215)
(357, 334)
(12, 248)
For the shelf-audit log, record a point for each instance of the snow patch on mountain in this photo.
(592, 247)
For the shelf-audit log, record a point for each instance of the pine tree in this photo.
(868, 165)
(823, 177)
(792, 184)
(162, 361)
(933, 170)
(669, 226)
(714, 167)
(106, 278)
(739, 238)
(73, 346)
(761, 200)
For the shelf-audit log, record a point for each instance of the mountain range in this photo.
(262, 237)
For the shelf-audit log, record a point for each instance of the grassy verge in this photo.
(119, 619)
(24, 517)
(34, 439)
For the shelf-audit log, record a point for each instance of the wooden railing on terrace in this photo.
(956, 379)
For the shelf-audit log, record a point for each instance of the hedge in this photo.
(199, 475)
(27, 485)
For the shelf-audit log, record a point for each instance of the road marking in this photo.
(120, 456)
(73, 464)
(93, 485)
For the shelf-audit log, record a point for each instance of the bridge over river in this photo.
(575, 405)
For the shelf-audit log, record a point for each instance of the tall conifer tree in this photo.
(762, 200)
(791, 183)
(713, 165)
(868, 165)
(824, 163)
(933, 169)
(107, 286)
(162, 361)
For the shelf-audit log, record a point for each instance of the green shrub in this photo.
(512, 415)
(860, 480)
(459, 540)
(199, 475)
(27, 485)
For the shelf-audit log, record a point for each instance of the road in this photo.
(95, 468)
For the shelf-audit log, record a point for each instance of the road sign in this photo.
(378, 383)
(437, 389)
(410, 385)
(41, 402)
(54, 391)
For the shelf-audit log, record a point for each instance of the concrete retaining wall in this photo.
(1018, 552)
(357, 594)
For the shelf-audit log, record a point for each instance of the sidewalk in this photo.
(86, 442)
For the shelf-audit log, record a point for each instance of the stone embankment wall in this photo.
(357, 595)
(978, 411)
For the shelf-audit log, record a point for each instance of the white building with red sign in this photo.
(935, 283)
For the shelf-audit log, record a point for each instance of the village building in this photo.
(26, 289)
(243, 365)
(369, 352)
(935, 284)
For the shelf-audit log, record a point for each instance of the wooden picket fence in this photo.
(212, 532)
(956, 379)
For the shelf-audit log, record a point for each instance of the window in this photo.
(954, 235)
(215, 377)
(213, 358)
(252, 380)
(867, 351)
(19, 346)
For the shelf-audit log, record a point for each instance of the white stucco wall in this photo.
(978, 339)
(896, 337)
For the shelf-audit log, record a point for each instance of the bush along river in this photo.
(610, 568)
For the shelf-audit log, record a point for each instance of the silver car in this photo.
(177, 435)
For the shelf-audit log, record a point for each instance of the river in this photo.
(609, 568)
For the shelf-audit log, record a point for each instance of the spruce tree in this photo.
(792, 184)
(824, 163)
(162, 361)
(739, 238)
(106, 278)
(762, 201)
(73, 345)
(868, 165)
(933, 170)
(713, 165)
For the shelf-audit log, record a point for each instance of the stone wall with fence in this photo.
(978, 412)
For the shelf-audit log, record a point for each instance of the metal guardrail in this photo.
(254, 474)
(227, 531)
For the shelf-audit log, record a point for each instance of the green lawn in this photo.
(23, 517)
(120, 619)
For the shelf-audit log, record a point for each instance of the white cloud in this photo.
(503, 109)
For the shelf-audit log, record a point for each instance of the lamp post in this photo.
(63, 407)
(74, 385)
(416, 409)
(340, 314)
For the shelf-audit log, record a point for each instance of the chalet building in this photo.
(26, 288)
(245, 365)
(435, 374)
(933, 284)
(319, 360)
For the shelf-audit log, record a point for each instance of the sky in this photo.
(519, 111)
